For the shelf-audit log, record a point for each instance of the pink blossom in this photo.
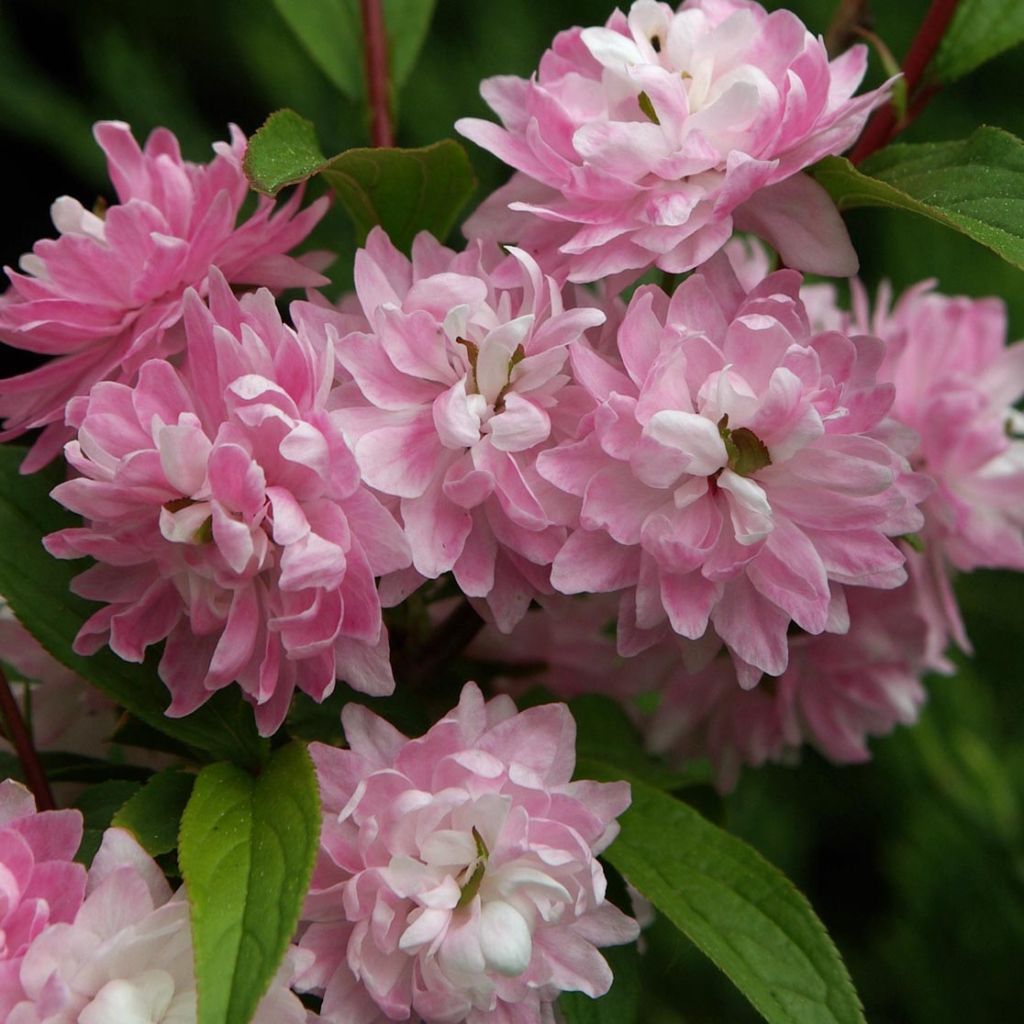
(226, 514)
(836, 692)
(457, 878)
(452, 391)
(107, 294)
(40, 884)
(648, 140)
(126, 956)
(64, 711)
(731, 474)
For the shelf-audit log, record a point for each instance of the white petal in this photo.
(505, 938)
(749, 509)
(695, 436)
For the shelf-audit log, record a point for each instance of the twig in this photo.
(378, 87)
(447, 642)
(884, 125)
(22, 740)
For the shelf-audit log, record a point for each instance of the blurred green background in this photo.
(915, 861)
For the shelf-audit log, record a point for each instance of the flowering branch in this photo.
(885, 125)
(19, 735)
(377, 84)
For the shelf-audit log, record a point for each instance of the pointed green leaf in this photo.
(284, 150)
(246, 850)
(37, 587)
(332, 33)
(733, 905)
(979, 31)
(154, 812)
(975, 186)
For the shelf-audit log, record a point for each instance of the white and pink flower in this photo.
(40, 884)
(227, 515)
(107, 294)
(457, 878)
(126, 956)
(649, 140)
(736, 473)
(450, 394)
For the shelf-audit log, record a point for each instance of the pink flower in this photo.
(457, 878)
(226, 514)
(647, 141)
(452, 392)
(40, 884)
(836, 692)
(126, 956)
(65, 712)
(107, 294)
(730, 475)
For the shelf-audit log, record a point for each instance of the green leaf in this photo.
(621, 1004)
(37, 587)
(975, 186)
(332, 33)
(979, 31)
(65, 767)
(246, 850)
(98, 805)
(154, 812)
(734, 906)
(403, 190)
(283, 151)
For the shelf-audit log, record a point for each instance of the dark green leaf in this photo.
(332, 33)
(37, 587)
(734, 906)
(246, 850)
(621, 1004)
(98, 805)
(403, 190)
(154, 812)
(979, 31)
(975, 186)
(64, 767)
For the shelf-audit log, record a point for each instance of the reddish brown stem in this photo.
(19, 735)
(378, 86)
(883, 126)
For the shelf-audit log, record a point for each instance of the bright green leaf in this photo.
(734, 906)
(246, 850)
(332, 33)
(975, 186)
(37, 587)
(154, 812)
(403, 190)
(979, 31)
(283, 151)
(621, 1004)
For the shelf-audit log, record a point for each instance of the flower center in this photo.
(475, 871)
(747, 452)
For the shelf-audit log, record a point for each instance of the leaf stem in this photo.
(27, 754)
(884, 125)
(378, 86)
(447, 642)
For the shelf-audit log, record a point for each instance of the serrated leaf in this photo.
(975, 186)
(979, 31)
(283, 150)
(332, 33)
(621, 1004)
(741, 912)
(37, 587)
(246, 850)
(403, 190)
(153, 814)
